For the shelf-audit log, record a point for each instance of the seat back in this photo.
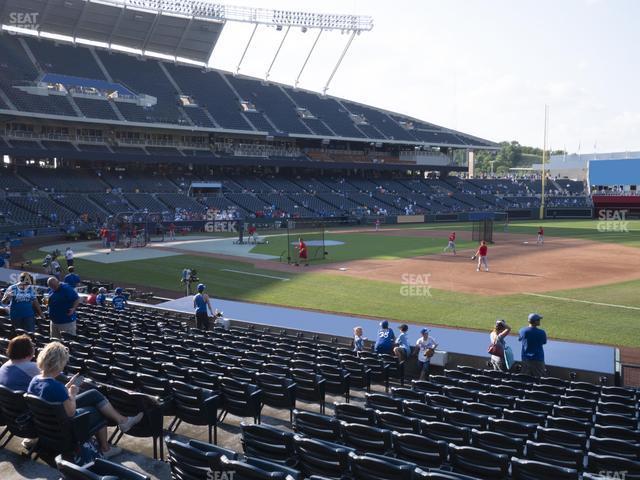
(419, 449)
(350, 413)
(267, 442)
(277, 391)
(257, 469)
(448, 433)
(240, 399)
(533, 470)
(53, 426)
(385, 403)
(607, 463)
(475, 461)
(367, 467)
(188, 462)
(562, 437)
(321, 458)
(317, 426)
(397, 422)
(15, 413)
(555, 454)
(614, 447)
(367, 439)
(423, 411)
(497, 442)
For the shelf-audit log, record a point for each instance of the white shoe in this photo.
(112, 452)
(487, 270)
(28, 443)
(477, 269)
(130, 422)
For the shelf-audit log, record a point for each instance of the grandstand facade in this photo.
(137, 132)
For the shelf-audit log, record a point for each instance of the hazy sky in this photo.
(485, 67)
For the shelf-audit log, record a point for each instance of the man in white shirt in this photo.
(68, 255)
(426, 348)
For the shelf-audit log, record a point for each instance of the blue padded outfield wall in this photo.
(614, 172)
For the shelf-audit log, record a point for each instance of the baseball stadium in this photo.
(210, 275)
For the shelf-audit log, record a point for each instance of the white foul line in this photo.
(581, 301)
(254, 274)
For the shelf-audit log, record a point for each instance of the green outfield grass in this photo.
(564, 319)
(370, 244)
(357, 246)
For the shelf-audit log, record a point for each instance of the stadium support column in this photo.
(246, 48)
(471, 162)
(335, 69)
(306, 60)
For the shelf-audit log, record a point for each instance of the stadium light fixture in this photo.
(222, 13)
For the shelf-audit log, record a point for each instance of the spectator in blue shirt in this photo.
(52, 360)
(202, 302)
(386, 339)
(402, 349)
(23, 303)
(533, 338)
(17, 372)
(119, 301)
(101, 298)
(72, 278)
(63, 301)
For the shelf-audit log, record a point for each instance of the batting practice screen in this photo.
(312, 235)
(482, 230)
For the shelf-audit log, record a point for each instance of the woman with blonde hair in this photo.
(23, 303)
(51, 361)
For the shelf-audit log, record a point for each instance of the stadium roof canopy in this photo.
(179, 29)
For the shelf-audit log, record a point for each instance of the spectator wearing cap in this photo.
(386, 339)
(201, 303)
(533, 338)
(119, 300)
(426, 348)
(498, 336)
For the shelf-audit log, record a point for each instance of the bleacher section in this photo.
(105, 192)
(319, 409)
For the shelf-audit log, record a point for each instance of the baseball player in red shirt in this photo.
(481, 254)
(302, 252)
(451, 246)
(540, 240)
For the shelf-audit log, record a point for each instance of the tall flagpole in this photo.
(544, 161)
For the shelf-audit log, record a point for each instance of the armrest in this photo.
(105, 467)
(256, 395)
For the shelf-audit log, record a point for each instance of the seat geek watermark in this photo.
(215, 225)
(613, 474)
(613, 221)
(415, 285)
(24, 20)
(217, 475)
